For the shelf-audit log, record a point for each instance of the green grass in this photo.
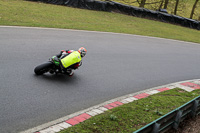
(132, 116)
(26, 13)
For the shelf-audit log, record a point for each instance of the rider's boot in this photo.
(70, 72)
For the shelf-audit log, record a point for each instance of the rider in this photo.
(70, 59)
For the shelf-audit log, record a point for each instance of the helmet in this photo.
(82, 51)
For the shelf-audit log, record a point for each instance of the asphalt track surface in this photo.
(115, 65)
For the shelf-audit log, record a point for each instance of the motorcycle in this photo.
(52, 66)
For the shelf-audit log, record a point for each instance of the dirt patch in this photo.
(189, 125)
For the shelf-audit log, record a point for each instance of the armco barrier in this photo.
(173, 118)
(126, 9)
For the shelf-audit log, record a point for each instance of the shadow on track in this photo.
(58, 78)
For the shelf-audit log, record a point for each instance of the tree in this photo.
(142, 3)
(176, 6)
(166, 4)
(193, 9)
(161, 4)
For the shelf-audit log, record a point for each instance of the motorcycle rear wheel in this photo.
(43, 68)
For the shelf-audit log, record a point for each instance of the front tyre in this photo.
(43, 68)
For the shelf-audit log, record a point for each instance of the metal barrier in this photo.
(173, 118)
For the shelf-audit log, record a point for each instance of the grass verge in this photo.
(132, 116)
(26, 13)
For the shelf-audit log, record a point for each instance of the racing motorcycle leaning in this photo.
(52, 66)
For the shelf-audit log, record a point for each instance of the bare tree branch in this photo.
(166, 4)
(193, 8)
(176, 6)
(129, 2)
(142, 3)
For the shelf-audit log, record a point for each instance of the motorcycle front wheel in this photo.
(43, 68)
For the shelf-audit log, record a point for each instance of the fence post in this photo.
(194, 108)
(156, 128)
(177, 119)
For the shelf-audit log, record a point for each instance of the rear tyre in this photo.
(43, 68)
